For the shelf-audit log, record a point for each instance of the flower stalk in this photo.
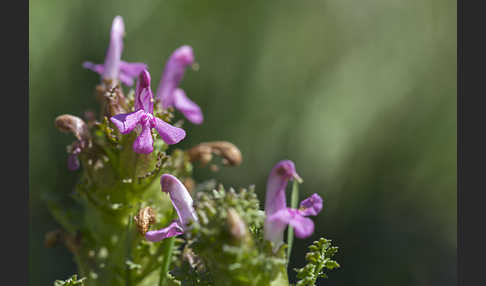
(294, 200)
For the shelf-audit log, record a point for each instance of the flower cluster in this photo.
(168, 92)
(227, 239)
(278, 215)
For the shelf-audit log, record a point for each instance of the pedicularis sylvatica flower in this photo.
(143, 116)
(182, 202)
(278, 215)
(114, 68)
(168, 93)
(137, 217)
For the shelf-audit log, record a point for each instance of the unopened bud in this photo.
(237, 226)
(74, 124)
(144, 219)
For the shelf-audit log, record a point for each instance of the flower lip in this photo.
(311, 206)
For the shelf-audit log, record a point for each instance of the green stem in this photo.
(294, 200)
(167, 252)
(128, 244)
(166, 263)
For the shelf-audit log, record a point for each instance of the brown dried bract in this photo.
(204, 153)
(116, 102)
(52, 238)
(112, 98)
(189, 184)
(72, 242)
(74, 124)
(90, 118)
(144, 219)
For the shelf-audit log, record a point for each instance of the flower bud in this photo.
(237, 226)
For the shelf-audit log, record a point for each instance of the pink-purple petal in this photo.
(311, 206)
(276, 223)
(170, 134)
(132, 69)
(145, 100)
(157, 235)
(127, 70)
(125, 79)
(190, 109)
(274, 228)
(143, 93)
(303, 226)
(126, 122)
(113, 54)
(180, 198)
(277, 181)
(98, 68)
(173, 74)
(144, 143)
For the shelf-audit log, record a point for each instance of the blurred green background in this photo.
(361, 95)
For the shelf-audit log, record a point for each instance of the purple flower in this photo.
(143, 116)
(114, 67)
(278, 215)
(168, 93)
(182, 202)
(73, 160)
